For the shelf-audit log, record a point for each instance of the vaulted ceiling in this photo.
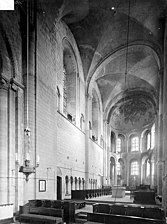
(121, 46)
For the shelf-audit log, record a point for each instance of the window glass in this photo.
(118, 145)
(134, 168)
(135, 144)
(153, 136)
(148, 141)
(147, 168)
(118, 169)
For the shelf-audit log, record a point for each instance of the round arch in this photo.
(70, 74)
(112, 170)
(156, 51)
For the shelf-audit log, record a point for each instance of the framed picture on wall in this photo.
(42, 185)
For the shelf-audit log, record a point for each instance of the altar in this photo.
(118, 192)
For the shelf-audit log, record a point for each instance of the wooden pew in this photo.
(51, 211)
(120, 219)
(130, 210)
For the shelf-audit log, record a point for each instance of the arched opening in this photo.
(112, 171)
(95, 115)
(148, 140)
(59, 184)
(113, 142)
(79, 180)
(90, 129)
(153, 136)
(82, 122)
(76, 183)
(67, 182)
(121, 174)
(69, 82)
(58, 99)
(146, 168)
(118, 145)
(83, 183)
(71, 181)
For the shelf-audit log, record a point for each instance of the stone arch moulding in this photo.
(67, 43)
(6, 42)
(70, 84)
(68, 46)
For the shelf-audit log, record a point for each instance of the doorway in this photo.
(59, 188)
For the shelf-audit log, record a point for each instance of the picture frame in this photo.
(42, 185)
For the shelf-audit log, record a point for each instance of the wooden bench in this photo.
(130, 210)
(43, 214)
(123, 219)
(102, 208)
(40, 218)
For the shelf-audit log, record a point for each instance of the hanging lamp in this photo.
(27, 168)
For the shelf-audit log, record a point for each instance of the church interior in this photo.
(83, 99)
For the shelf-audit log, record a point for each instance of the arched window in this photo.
(58, 99)
(64, 91)
(66, 180)
(113, 142)
(76, 183)
(112, 170)
(147, 168)
(118, 168)
(134, 143)
(134, 169)
(153, 136)
(118, 145)
(70, 72)
(79, 180)
(95, 115)
(122, 167)
(82, 122)
(148, 139)
(83, 183)
(71, 181)
(91, 181)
